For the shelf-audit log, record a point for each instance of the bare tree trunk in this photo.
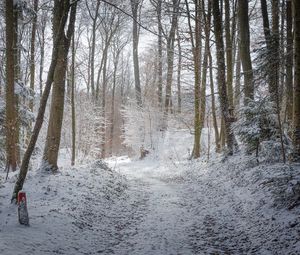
(289, 61)
(237, 91)
(103, 105)
(112, 127)
(282, 53)
(272, 42)
(53, 138)
(41, 36)
(296, 111)
(196, 48)
(93, 45)
(213, 104)
(179, 72)
(40, 117)
(229, 55)
(17, 74)
(207, 24)
(245, 49)
(221, 76)
(138, 93)
(32, 63)
(11, 108)
(32, 52)
(73, 157)
(157, 4)
(170, 54)
(275, 47)
(275, 68)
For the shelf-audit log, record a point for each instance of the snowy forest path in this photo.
(180, 220)
(143, 207)
(162, 228)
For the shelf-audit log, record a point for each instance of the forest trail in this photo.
(162, 228)
(147, 207)
(177, 220)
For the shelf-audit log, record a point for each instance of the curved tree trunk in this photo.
(40, 117)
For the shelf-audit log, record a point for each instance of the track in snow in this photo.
(178, 220)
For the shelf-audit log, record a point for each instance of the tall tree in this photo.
(221, 77)
(272, 44)
(135, 6)
(179, 67)
(158, 7)
(213, 104)
(117, 50)
(73, 157)
(243, 17)
(296, 109)
(170, 53)
(207, 24)
(195, 37)
(94, 16)
(32, 50)
(229, 54)
(289, 61)
(52, 144)
(11, 110)
(50, 77)
(41, 38)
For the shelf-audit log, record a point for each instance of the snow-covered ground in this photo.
(164, 205)
(215, 208)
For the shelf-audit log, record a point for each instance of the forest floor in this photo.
(156, 206)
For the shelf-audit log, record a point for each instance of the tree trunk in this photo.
(272, 42)
(41, 112)
(103, 105)
(213, 104)
(195, 37)
(229, 62)
(32, 52)
(32, 62)
(207, 24)
(112, 127)
(274, 72)
(237, 91)
(179, 72)
(11, 110)
(135, 36)
(221, 77)
(245, 49)
(41, 36)
(289, 62)
(93, 46)
(170, 55)
(157, 5)
(296, 111)
(52, 144)
(73, 157)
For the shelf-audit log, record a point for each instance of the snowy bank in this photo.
(71, 212)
